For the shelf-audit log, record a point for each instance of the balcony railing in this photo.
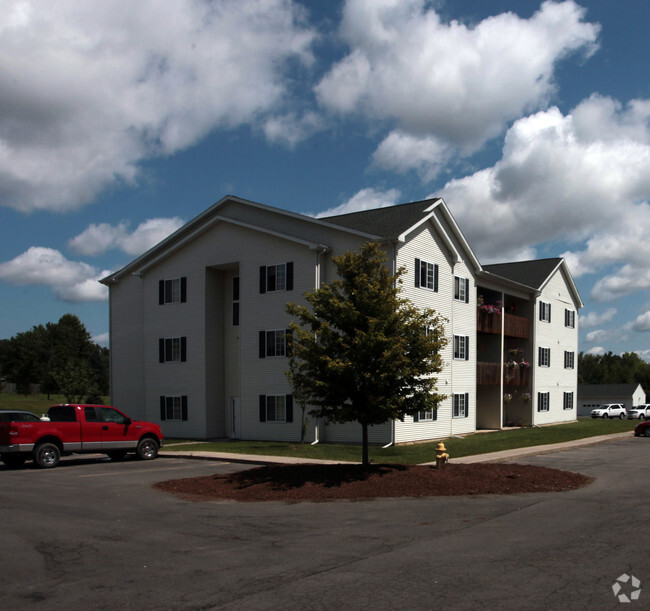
(513, 326)
(490, 374)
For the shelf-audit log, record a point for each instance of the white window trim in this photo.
(275, 408)
(277, 288)
(544, 311)
(460, 407)
(541, 361)
(568, 398)
(461, 289)
(569, 359)
(461, 347)
(543, 401)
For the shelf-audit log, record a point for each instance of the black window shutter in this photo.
(263, 279)
(467, 347)
(466, 405)
(288, 401)
(549, 312)
(262, 408)
(289, 283)
(466, 290)
(183, 349)
(183, 289)
(262, 344)
(161, 350)
(416, 417)
(184, 407)
(435, 277)
(541, 310)
(417, 272)
(162, 408)
(161, 292)
(435, 414)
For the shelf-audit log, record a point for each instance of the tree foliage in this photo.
(627, 368)
(362, 352)
(59, 357)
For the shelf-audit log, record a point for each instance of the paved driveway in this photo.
(95, 535)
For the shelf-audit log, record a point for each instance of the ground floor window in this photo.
(568, 400)
(542, 401)
(461, 405)
(429, 415)
(276, 408)
(173, 407)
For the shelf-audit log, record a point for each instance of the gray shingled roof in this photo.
(596, 391)
(386, 222)
(529, 273)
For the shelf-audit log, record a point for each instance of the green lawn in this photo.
(36, 403)
(478, 443)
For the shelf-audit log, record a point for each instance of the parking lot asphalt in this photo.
(93, 534)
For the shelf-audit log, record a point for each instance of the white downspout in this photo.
(503, 331)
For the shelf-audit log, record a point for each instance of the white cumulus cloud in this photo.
(89, 89)
(98, 238)
(447, 84)
(70, 280)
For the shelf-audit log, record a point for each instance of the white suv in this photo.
(642, 412)
(609, 410)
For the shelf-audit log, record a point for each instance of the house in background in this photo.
(198, 323)
(591, 396)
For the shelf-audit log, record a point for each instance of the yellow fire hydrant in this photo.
(441, 455)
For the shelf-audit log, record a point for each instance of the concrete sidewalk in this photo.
(502, 456)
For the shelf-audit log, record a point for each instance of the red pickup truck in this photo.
(73, 429)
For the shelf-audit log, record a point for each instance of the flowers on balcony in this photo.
(507, 397)
(526, 397)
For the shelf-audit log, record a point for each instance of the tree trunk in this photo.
(364, 438)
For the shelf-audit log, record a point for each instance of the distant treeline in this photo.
(626, 368)
(58, 357)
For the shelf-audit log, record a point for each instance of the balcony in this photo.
(490, 374)
(514, 326)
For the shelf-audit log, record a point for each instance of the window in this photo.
(274, 343)
(276, 408)
(461, 347)
(172, 349)
(568, 400)
(172, 291)
(173, 408)
(461, 405)
(235, 301)
(276, 277)
(569, 319)
(91, 414)
(542, 401)
(544, 311)
(569, 360)
(461, 289)
(108, 414)
(429, 415)
(544, 357)
(426, 275)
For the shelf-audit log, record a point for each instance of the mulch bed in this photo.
(317, 482)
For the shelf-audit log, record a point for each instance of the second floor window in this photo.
(544, 357)
(172, 349)
(461, 347)
(274, 343)
(569, 360)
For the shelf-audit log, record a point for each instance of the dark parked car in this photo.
(17, 415)
(642, 429)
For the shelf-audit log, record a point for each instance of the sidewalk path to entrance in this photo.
(503, 455)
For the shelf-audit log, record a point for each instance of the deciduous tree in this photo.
(363, 352)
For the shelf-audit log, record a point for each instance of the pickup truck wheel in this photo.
(116, 454)
(147, 449)
(13, 461)
(47, 455)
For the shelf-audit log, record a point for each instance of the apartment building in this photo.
(198, 323)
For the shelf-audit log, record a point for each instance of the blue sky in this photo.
(531, 119)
